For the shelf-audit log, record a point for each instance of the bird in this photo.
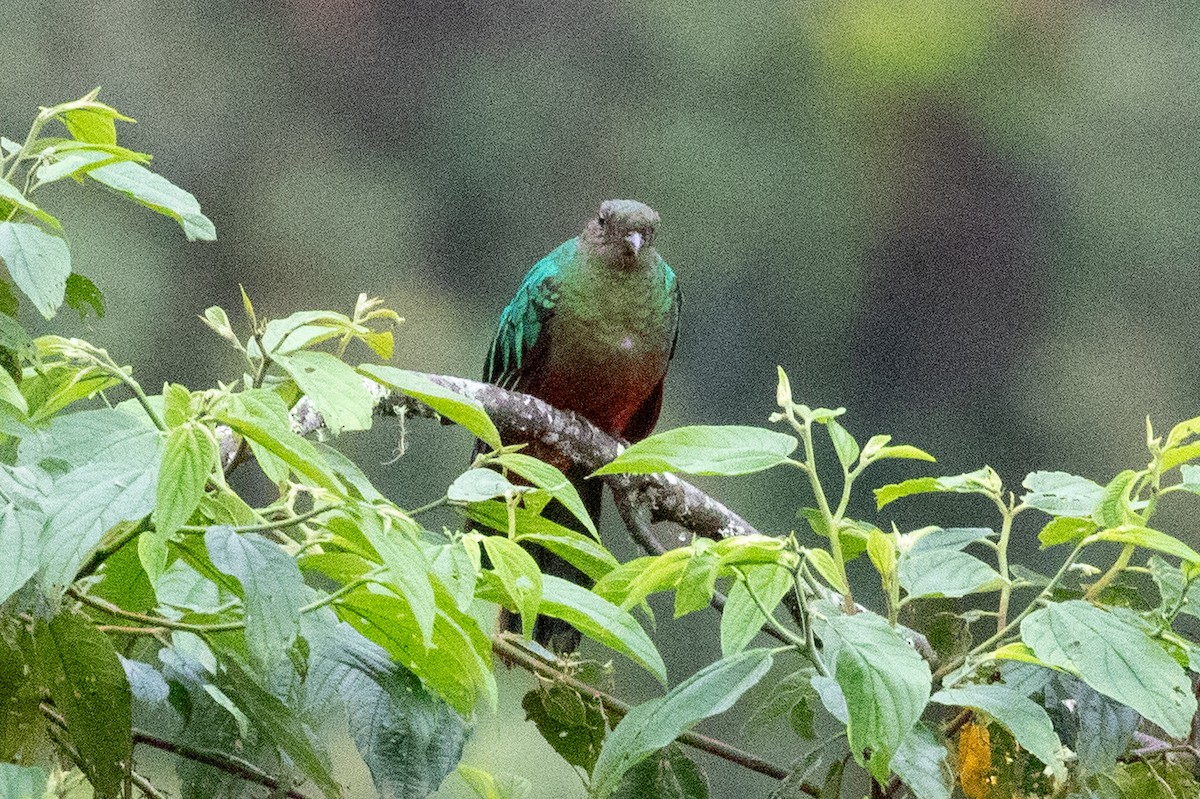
(591, 329)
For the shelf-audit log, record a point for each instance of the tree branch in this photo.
(522, 417)
(230, 764)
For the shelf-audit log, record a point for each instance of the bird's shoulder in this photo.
(523, 321)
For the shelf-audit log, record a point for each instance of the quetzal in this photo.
(590, 330)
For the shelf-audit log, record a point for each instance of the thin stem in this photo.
(512, 653)
(103, 553)
(123, 630)
(835, 541)
(1113, 571)
(1008, 628)
(200, 629)
(102, 359)
(316, 604)
(34, 130)
(153, 621)
(789, 636)
(810, 637)
(276, 524)
(1007, 513)
(437, 503)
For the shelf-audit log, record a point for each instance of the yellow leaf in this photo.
(975, 760)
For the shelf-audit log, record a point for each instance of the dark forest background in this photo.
(974, 224)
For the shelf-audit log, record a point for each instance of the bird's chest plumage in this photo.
(609, 343)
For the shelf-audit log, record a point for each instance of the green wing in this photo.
(676, 295)
(522, 330)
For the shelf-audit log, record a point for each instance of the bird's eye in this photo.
(600, 220)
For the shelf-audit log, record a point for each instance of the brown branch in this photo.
(230, 764)
(512, 653)
(522, 417)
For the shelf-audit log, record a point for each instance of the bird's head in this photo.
(622, 231)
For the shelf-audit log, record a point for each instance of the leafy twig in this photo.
(513, 653)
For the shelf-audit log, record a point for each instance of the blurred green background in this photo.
(972, 223)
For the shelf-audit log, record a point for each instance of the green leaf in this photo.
(1115, 507)
(654, 724)
(273, 591)
(1061, 494)
(1182, 431)
(12, 194)
(188, 458)
(726, 450)
(409, 738)
(65, 158)
(251, 415)
(21, 693)
(983, 481)
(666, 774)
(1103, 727)
(217, 320)
(159, 195)
(1064, 530)
(920, 762)
(572, 724)
(503, 786)
(881, 550)
(1190, 478)
(334, 387)
(905, 451)
(88, 119)
(1026, 720)
(741, 619)
(1114, 657)
(699, 578)
(460, 409)
(22, 491)
(602, 621)
(90, 125)
(278, 722)
(1160, 779)
(457, 667)
(883, 680)
(1179, 455)
(751, 550)
(88, 686)
(59, 385)
(581, 551)
(82, 294)
(549, 478)
(304, 329)
(826, 566)
(15, 337)
(520, 576)
(937, 539)
(22, 782)
(948, 573)
(791, 696)
(843, 444)
(37, 262)
(1149, 539)
(477, 485)
(631, 582)
(407, 573)
(88, 500)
